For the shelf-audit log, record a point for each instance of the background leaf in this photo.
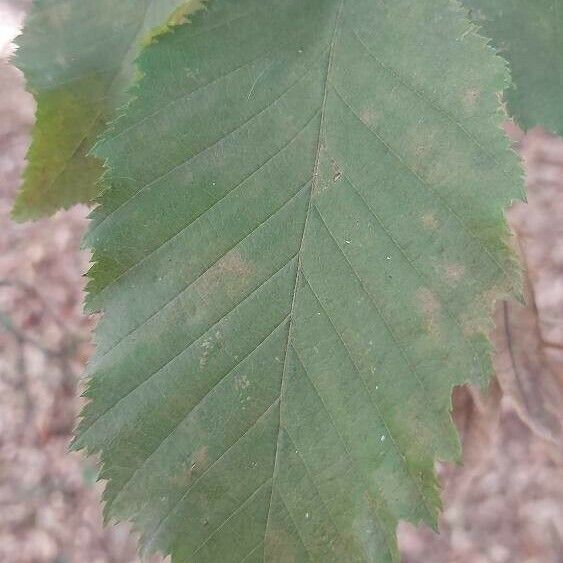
(530, 36)
(296, 261)
(78, 58)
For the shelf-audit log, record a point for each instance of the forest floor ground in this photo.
(503, 505)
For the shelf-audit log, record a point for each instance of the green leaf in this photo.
(530, 36)
(296, 261)
(78, 59)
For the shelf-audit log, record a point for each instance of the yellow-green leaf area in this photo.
(78, 60)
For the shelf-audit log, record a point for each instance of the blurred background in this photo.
(503, 505)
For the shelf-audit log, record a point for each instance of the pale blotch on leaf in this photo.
(369, 116)
(471, 97)
(336, 172)
(454, 273)
(242, 382)
(421, 151)
(200, 460)
(207, 346)
(422, 140)
(231, 271)
(483, 324)
(59, 16)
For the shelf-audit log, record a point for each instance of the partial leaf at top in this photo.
(296, 259)
(78, 59)
(530, 35)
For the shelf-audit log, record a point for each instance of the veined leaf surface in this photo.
(530, 36)
(296, 260)
(78, 59)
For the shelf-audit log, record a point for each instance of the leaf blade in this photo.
(529, 36)
(265, 279)
(78, 60)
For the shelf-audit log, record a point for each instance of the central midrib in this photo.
(298, 274)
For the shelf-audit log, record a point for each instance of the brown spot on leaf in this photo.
(475, 325)
(279, 541)
(431, 307)
(199, 462)
(477, 319)
(430, 222)
(196, 465)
